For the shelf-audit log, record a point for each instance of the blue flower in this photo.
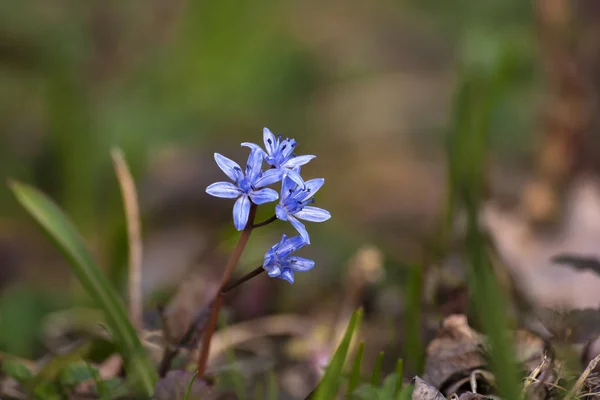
(247, 187)
(279, 154)
(279, 263)
(294, 203)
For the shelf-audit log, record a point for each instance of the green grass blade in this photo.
(63, 233)
(479, 91)
(331, 381)
(400, 373)
(189, 389)
(354, 378)
(376, 376)
(272, 386)
(415, 350)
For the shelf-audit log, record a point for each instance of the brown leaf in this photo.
(455, 352)
(424, 391)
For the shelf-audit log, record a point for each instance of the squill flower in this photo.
(246, 187)
(294, 204)
(279, 154)
(279, 263)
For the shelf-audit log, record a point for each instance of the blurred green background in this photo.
(366, 86)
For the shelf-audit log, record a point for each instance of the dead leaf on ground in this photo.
(454, 353)
(425, 391)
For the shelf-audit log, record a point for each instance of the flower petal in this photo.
(254, 146)
(254, 164)
(313, 187)
(294, 176)
(269, 140)
(274, 272)
(297, 161)
(313, 214)
(287, 275)
(287, 187)
(288, 145)
(226, 190)
(230, 167)
(280, 213)
(291, 245)
(263, 196)
(241, 210)
(268, 177)
(300, 228)
(301, 264)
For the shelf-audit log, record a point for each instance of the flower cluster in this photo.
(295, 199)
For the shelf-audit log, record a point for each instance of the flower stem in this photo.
(247, 277)
(218, 302)
(267, 222)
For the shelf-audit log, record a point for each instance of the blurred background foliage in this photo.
(367, 86)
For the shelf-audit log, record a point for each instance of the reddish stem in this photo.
(229, 268)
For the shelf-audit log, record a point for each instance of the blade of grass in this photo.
(189, 389)
(272, 388)
(415, 350)
(330, 384)
(400, 373)
(376, 377)
(479, 90)
(134, 235)
(354, 378)
(52, 220)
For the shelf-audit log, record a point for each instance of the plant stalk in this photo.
(218, 302)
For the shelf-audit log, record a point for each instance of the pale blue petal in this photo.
(280, 213)
(254, 164)
(301, 264)
(263, 196)
(241, 210)
(313, 187)
(269, 140)
(300, 228)
(230, 167)
(288, 147)
(254, 146)
(226, 190)
(287, 275)
(294, 243)
(297, 161)
(268, 177)
(274, 272)
(287, 186)
(294, 176)
(313, 214)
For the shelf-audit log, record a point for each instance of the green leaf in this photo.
(354, 378)
(76, 373)
(54, 368)
(388, 388)
(139, 367)
(16, 370)
(376, 376)
(366, 392)
(329, 385)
